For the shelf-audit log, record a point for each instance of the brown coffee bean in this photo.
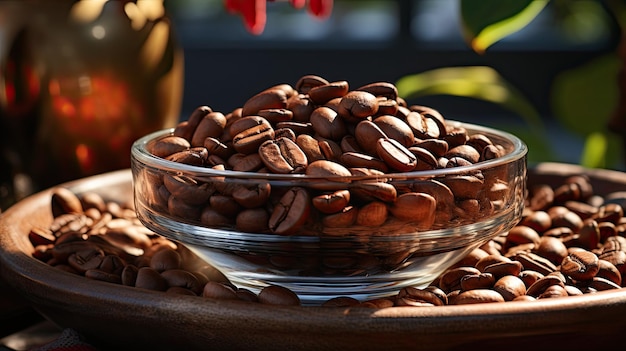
(535, 262)
(384, 89)
(129, 275)
(377, 303)
(248, 133)
(185, 129)
(425, 159)
(478, 296)
(553, 291)
(305, 83)
(195, 156)
(361, 160)
(212, 125)
(410, 296)
(396, 129)
(310, 146)
(367, 134)
(283, 156)
(275, 115)
(148, 278)
(374, 190)
(331, 171)
(463, 151)
(271, 98)
(608, 271)
(341, 301)
(356, 105)
(327, 123)
(451, 279)
(437, 147)
(220, 291)
(218, 149)
(343, 219)
(522, 235)
(477, 281)
(395, 155)
(501, 269)
(415, 207)
(64, 201)
(543, 284)
(188, 189)
(322, 93)
(510, 287)
(580, 265)
(301, 108)
(332, 202)
(372, 214)
(529, 277)
(182, 278)
(278, 295)
(601, 284)
(423, 127)
(86, 259)
(169, 145)
(291, 212)
(212, 218)
(252, 220)
(165, 259)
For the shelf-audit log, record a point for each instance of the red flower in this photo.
(254, 11)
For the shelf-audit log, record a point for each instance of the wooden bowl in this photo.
(125, 317)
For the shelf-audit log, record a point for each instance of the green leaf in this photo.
(594, 151)
(478, 82)
(584, 98)
(487, 21)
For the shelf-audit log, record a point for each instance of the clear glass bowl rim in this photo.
(140, 152)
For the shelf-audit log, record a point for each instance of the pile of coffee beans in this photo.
(104, 240)
(569, 242)
(333, 134)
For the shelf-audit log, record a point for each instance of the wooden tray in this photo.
(130, 318)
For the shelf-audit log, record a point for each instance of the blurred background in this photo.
(78, 82)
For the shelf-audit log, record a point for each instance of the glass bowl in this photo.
(392, 229)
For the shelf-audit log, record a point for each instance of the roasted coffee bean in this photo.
(219, 291)
(357, 104)
(278, 295)
(165, 259)
(510, 287)
(272, 98)
(148, 278)
(186, 129)
(395, 155)
(477, 281)
(415, 207)
(372, 214)
(196, 156)
(411, 296)
(211, 126)
(580, 265)
(478, 296)
(283, 156)
(327, 123)
(65, 201)
(323, 93)
(291, 212)
(249, 132)
(341, 301)
(169, 145)
(333, 202)
(310, 146)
